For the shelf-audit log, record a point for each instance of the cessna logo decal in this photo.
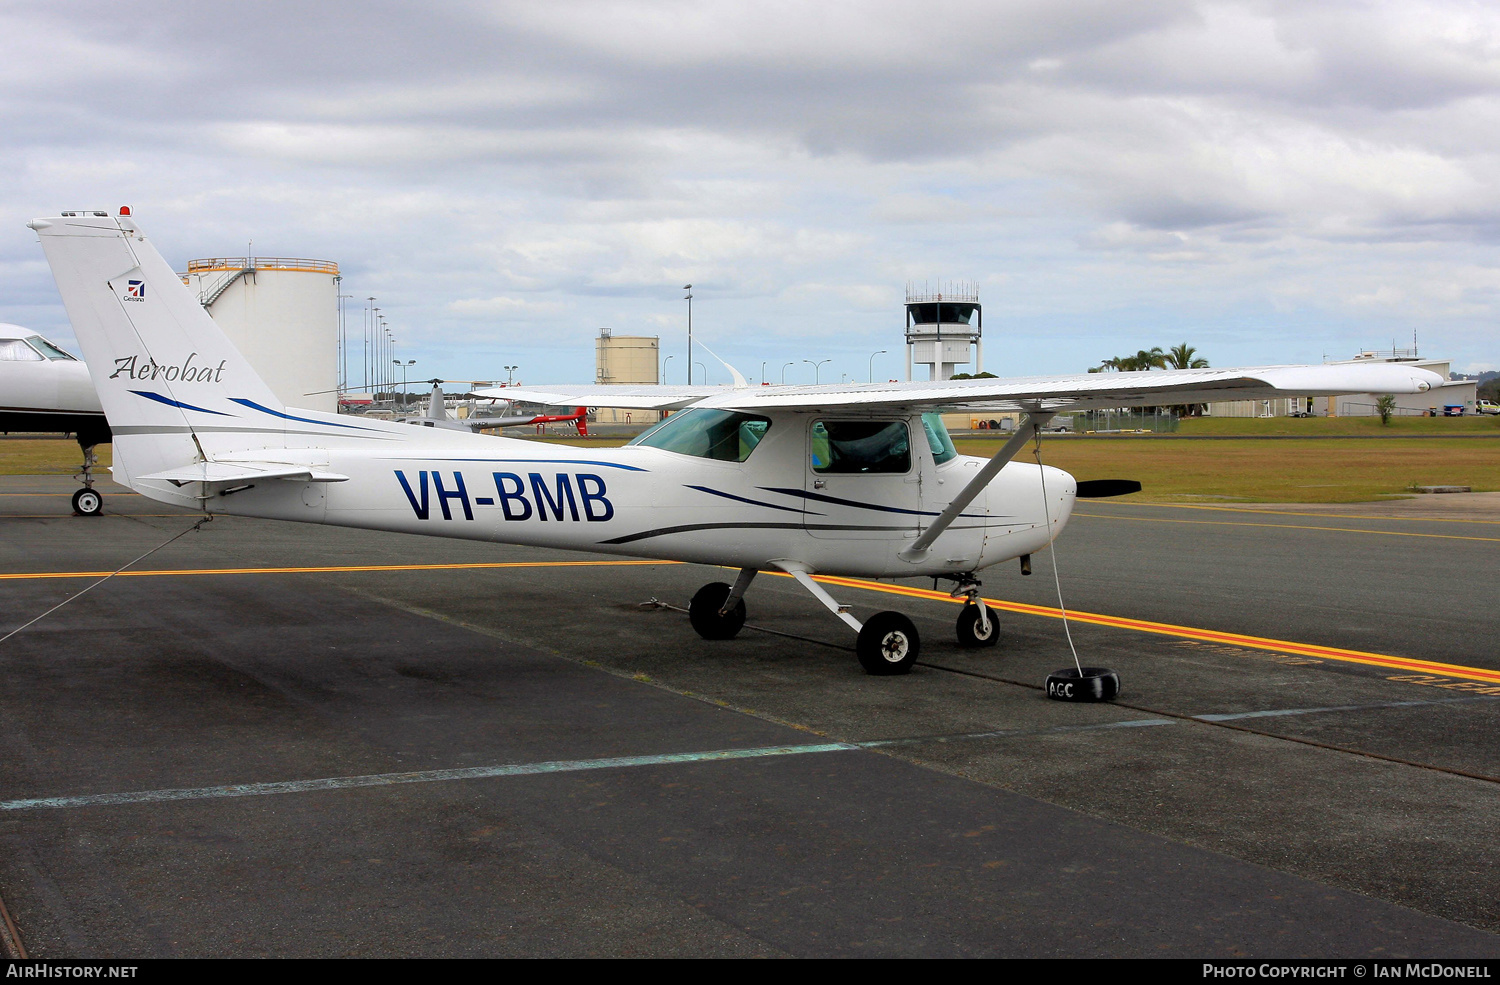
(136, 368)
(519, 499)
(135, 290)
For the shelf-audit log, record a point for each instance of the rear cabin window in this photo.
(847, 447)
(723, 435)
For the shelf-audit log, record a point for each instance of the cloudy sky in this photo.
(1270, 182)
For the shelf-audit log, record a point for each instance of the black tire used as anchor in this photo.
(1095, 684)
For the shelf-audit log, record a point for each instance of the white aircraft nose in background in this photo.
(43, 388)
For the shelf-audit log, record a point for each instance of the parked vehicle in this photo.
(1486, 407)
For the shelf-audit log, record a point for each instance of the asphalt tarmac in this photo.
(221, 754)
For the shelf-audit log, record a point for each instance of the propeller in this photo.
(1104, 488)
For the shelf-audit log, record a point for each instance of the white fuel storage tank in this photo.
(282, 313)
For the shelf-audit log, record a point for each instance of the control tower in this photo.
(940, 328)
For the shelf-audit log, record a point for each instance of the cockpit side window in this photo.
(16, 351)
(48, 349)
(860, 447)
(723, 435)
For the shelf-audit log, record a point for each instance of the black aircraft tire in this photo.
(86, 502)
(703, 613)
(970, 635)
(888, 644)
(1096, 684)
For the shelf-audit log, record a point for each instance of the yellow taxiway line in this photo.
(1193, 633)
(1333, 516)
(322, 569)
(1285, 526)
(1098, 619)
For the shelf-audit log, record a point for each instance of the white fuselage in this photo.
(647, 502)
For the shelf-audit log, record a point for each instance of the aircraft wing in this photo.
(1079, 391)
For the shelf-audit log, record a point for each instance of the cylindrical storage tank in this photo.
(626, 359)
(282, 313)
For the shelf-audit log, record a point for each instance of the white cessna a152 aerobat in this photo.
(435, 415)
(43, 388)
(854, 480)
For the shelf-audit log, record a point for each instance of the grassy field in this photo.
(1329, 426)
(1350, 470)
(1335, 470)
(45, 456)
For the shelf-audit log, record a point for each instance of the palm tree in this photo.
(1184, 357)
(1144, 359)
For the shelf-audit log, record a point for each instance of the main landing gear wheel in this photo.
(971, 633)
(1095, 684)
(888, 644)
(703, 613)
(86, 502)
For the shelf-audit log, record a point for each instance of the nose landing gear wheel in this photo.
(971, 633)
(86, 502)
(703, 613)
(888, 644)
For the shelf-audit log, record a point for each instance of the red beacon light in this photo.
(124, 210)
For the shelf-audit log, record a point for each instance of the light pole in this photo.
(404, 365)
(783, 371)
(872, 363)
(763, 371)
(390, 345)
(689, 299)
(370, 310)
(510, 377)
(705, 371)
(664, 368)
(344, 342)
(817, 368)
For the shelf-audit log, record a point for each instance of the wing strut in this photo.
(1033, 419)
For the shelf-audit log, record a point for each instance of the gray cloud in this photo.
(501, 173)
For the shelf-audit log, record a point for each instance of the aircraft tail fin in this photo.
(172, 385)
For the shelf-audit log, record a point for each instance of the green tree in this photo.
(1185, 356)
(1152, 358)
(1385, 405)
(1144, 359)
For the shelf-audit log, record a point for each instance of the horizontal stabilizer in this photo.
(1104, 488)
(245, 472)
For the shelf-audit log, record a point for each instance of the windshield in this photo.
(723, 435)
(938, 439)
(48, 349)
